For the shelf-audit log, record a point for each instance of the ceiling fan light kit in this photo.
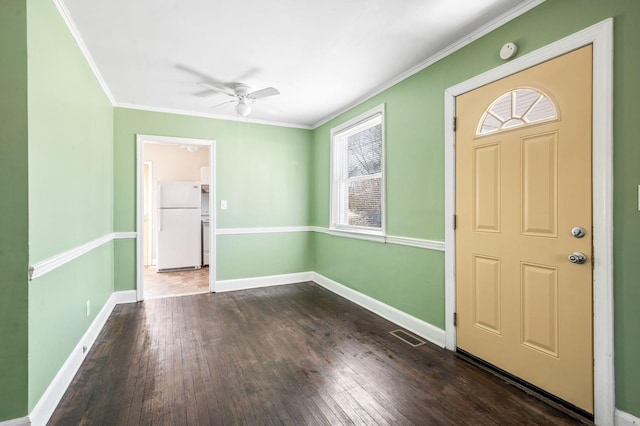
(243, 108)
(244, 98)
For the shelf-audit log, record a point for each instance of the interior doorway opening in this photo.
(176, 232)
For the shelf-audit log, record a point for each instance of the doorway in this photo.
(600, 36)
(170, 256)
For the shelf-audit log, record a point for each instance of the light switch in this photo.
(223, 204)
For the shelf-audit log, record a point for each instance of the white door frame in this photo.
(140, 141)
(601, 36)
(149, 228)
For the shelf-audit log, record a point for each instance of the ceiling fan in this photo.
(242, 94)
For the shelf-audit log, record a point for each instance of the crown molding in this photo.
(66, 16)
(207, 115)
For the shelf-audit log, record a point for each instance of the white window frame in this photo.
(338, 158)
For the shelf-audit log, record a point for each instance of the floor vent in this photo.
(409, 339)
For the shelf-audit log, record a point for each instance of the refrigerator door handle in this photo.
(160, 218)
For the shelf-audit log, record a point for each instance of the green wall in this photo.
(261, 170)
(70, 192)
(14, 258)
(67, 172)
(415, 177)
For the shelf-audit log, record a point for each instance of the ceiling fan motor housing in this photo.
(241, 90)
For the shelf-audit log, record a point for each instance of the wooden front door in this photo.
(523, 190)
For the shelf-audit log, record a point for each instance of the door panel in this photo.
(486, 184)
(486, 283)
(540, 308)
(539, 185)
(521, 305)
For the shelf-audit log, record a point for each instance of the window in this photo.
(516, 108)
(357, 174)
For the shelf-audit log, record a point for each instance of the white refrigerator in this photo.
(178, 232)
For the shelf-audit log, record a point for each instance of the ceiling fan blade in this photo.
(219, 88)
(223, 103)
(252, 72)
(205, 92)
(193, 71)
(263, 93)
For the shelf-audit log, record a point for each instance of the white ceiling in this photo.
(323, 56)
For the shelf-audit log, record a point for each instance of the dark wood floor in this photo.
(286, 355)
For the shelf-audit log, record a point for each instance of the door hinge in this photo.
(455, 319)
(455, 221)
(455, 123)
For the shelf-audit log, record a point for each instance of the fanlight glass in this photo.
(516, 108)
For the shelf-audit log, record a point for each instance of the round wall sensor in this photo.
(508, 50)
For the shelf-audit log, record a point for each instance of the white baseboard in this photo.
(128, 296)
(271, 280)
(421, 328)
(58, 386)
(625, 419)
(23, 421)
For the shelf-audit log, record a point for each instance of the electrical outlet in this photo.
(88, 307)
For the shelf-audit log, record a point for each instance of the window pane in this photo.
(524, 99)
(544, 110)
(502, 107)
(365, 203)
(490, 124)
(364, 152)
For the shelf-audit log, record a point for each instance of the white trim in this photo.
(124, 235)
(173, 140)
(264, 230)
(601, 36)
(347, 234)
(389, 239)
(125, 296)
(141, 139)
(415, 242)
(520, 9)
(625, 419)
(23, 421)
(45, 266)
(58, 386)
(421, 328)
(66, 17)
(148, 240)
(210, 115)
(267, 281)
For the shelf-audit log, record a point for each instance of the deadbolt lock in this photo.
(578, 232)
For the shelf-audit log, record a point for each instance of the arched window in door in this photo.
(519, 107)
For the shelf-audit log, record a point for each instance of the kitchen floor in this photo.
(168, 284)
